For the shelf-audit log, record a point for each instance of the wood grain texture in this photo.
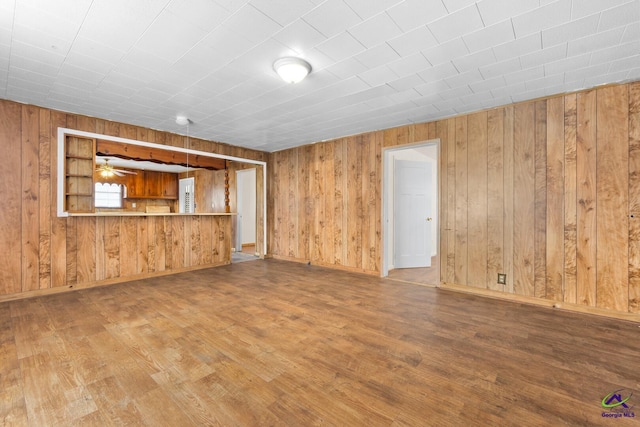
(11, 212)
(613, 197)
(586, 214)
(570, 199)
(555, 232)
(450, 227)
(30, 179)
(253, 344)
(524, 199)
(495, 198)
(508, 214)
(540, 197)
(477, 210)
(634, 198)
(441, 133)
(462, 202)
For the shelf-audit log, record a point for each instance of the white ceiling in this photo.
(376, 63)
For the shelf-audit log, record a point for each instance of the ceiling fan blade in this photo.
(117, 173)
(126, 171)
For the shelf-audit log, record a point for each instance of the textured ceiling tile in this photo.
(368, 8)
(520, 46)
(494, 11)
(548, 16)
(375, 30)
(570, 31)
(622, 15)
(299, 36)
(475, 60)
(332, 17)
(456, 24)
(381, 54)
(595, 42)
(446, 52)
(283, 12)
(340, 47)
(588, 7)
(411, 14)
(417, 40)
(487, 37)
(551, 54)
(410, 65)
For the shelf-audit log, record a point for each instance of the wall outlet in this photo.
(133, 205)
(502, 279)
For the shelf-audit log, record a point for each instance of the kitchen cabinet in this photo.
(152, 185)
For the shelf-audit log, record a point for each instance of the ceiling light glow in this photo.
(292, 69)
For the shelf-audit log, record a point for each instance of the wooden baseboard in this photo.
(556, 305)
(327, 265)
(106, 282)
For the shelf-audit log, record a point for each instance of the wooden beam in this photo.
(140, 153)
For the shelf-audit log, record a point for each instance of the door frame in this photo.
(386, 196)
(240, 212)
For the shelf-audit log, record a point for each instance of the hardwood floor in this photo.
(278, 343)
(423, 276)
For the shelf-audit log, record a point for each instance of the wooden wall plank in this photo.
(100, 251)
(570, 199)
(586, 238)
(86, 244)
(450, 229)
(11, 212)
(495, 198)
(128, 246)
(524, 199)
(112, 247)
(30, 237)
(142, 246)
(44, 198)
(441, 133)
(613, 197)
(354, 201)
(378, 138)
(634, 198)
(72, 251)
(508, 214)
(328, 174)
(304, 201)
(340, 195)
(555, 199)
(461, 195)
(477, 200)
(58, 225)
(291, 219)
(540, 203)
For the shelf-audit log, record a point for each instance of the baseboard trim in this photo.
(327, 265)
(556, 305)
(106, 282)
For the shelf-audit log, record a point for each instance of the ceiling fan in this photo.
(106, 170)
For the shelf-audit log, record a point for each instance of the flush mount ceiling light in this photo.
(182, 120)
(292, 69)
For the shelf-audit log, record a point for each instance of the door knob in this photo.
(429, 219)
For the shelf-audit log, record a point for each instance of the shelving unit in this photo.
(79, 166)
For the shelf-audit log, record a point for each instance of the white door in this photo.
(412, 214)
(246, 204)
(186, 195)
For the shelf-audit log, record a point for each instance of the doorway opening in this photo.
(245, 237)
(410, 222)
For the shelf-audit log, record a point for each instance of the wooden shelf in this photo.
(72, 175)
(69, 156)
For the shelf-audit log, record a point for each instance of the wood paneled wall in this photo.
(547, 192)
(41, 251)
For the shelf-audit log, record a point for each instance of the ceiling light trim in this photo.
(292, 69)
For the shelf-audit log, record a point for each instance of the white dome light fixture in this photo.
(292, 69)
(182, 120)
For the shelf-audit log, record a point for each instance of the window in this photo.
(108, 195)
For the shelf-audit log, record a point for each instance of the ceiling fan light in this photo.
(292, 69)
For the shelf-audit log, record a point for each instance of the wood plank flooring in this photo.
(277, 343)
